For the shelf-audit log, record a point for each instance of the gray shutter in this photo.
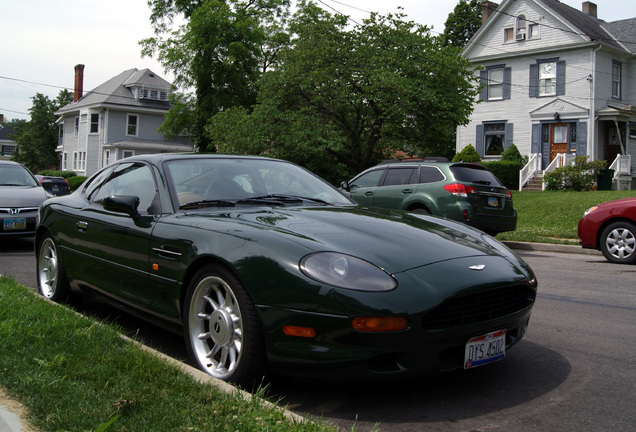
(534, 81)
(536, 138)
(479, 140)
(560, 87)
(507, 80)
(581, 136)
(483, 77)
(509, 129)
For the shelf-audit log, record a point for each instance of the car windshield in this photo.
(16, 175)
(475, 174)
(226, 182)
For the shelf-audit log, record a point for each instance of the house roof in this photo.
(614, 34)
(117, 91)
(5, 131)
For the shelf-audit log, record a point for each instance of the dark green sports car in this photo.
(264, 266)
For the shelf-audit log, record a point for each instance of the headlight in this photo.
(590, 210)
(346, 271)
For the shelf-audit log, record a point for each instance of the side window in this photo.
(400, 176)
(430, 174)
(93, 185)
(369, 179)
(130, 179)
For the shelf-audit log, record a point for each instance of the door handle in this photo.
(368, 194)
(82, 226)
(407, 191)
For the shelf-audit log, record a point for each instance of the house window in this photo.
(509, 34)
(106, 160)
(128, 153)
(8, 150)
(632, 130)
(74, 161)
(60, 131)
(520, 33)
(533, 31)
(94, 128)
(65, 161)
(81, 163)
(494, 138)
(547, 79)
(76, 130)
(131, 128)
(495, 83)
(616, 79)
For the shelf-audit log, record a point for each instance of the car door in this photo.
(363, 188)
(114, 246)
(397, 187)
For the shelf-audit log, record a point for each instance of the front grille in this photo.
(479, 307)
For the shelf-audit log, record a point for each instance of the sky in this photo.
(43, 40)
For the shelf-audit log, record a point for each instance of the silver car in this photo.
(20, 198)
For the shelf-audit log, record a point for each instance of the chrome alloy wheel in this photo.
(215, 327)
(48, 268)
(621, 243)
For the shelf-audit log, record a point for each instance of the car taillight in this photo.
(461, 190)
(508, 194)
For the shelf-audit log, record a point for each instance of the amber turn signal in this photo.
(307, 332)
(379, 324)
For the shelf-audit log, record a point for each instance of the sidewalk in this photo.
(10, 422)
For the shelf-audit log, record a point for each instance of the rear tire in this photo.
(52, 282)
(618, 243)
(221, 327)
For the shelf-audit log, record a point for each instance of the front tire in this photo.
(52, 282)
(618, 243)
(222, 329)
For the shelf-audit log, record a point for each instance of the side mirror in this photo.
(127, 204)
(345, 186)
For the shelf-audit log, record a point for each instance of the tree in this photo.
(219, 53)
(37, 138)
(468, 154)
(341, 100)
(462, 23)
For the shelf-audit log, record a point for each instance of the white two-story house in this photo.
(557, 82)
(118, 119)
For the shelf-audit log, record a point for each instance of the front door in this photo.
(613, 141)
(558, 139)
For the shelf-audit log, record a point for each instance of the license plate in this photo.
(493, 202)
(485, 349)
(55, 189)
(14, 224)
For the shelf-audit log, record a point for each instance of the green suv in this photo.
(464, 192)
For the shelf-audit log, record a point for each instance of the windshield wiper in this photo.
(279, 199)
(207, 203)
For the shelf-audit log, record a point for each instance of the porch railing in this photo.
(622, 167)
(531, 168)
(561, 160)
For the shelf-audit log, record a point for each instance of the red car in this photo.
(611, 228)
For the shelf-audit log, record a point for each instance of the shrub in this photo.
(580, 176)
(75, 182)
(58, 173)
(468, 154)
(512, 154)
(506, 171)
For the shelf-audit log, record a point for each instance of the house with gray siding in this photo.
(557, 82)
(117, 119)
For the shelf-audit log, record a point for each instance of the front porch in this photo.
(531, 175)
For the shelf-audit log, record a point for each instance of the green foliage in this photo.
(462, 23)
(506, 171)
(330, 104)
(468, 154)
(512, 154)
(580, 176)
(58, 173)
(75, 182)
(220, 51)
(37, 139)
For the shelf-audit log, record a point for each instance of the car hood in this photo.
(625, 202)
(22, 196)
(392, 239)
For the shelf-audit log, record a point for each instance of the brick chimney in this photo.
(487, 9)
(79, 82)
(1, 119)
(589, 8)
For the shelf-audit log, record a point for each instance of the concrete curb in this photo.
(547, 247)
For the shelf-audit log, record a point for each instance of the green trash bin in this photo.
(604, 179)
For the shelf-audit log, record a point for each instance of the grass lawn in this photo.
(552, 217)
(74, 374)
